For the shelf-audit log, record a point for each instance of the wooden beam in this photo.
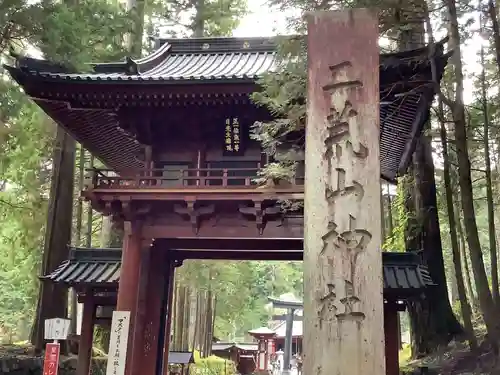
(391, 332)
(229, 244)
(86, 336)
(343, 305)
(128, 288)
(269, 255)
(100, 300)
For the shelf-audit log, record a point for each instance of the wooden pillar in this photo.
(128, 288)
(343, 306)
(391, 331)
(138, 342)
(147, 361)
(168, 323)
(86, 335)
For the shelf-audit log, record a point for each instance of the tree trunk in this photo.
(209, 324)
(134, 42)
(485, 299)
(463, 250)
(492, 12)
(457, 264)
(198, 24)
(489, 185)
(53, 298)
(433, 321)
(390, 220)
(186, 318)
(196, 340)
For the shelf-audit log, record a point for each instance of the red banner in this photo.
(51, 361)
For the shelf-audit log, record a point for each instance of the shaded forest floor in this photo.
(456, 358)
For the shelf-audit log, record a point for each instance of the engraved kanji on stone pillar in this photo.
(343, 148)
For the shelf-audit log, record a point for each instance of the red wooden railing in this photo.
(176, 178)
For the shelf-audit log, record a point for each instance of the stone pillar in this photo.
(128, 288)
(343, 305)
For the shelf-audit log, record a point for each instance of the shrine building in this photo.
(173, 130)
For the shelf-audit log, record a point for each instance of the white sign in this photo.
(118, 343)
(56, 329)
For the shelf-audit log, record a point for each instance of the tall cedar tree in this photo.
(432, 319)
(488, 310)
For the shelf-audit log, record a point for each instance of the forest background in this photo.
(450, 193)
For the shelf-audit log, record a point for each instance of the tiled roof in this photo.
(402, 272)
(89, 266)
(180, 358)
(198, 59)
(404, 109)
(202, 59)
(222, 346)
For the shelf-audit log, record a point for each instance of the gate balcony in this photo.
(190, 186)
(190, 179)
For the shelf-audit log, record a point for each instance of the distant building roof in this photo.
(221, 346)
(261, 331)
(180, 358)
(296, 329)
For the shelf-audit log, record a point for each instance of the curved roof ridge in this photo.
(154, 59)
(220, 44)
(134, 66)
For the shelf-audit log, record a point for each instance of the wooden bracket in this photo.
(194, 213)
(260, 214)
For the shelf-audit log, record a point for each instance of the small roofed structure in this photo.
(179, 362)
(264, 337)
(262, 331)
(242, 354)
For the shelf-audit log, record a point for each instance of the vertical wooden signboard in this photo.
(343, 306)
(118, 343)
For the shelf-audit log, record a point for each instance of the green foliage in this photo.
(206, 17)
(242, 290)
(24, 178)
(212, 365)
(283, 94)
(65, 34)
(396, 241)
(69, 40)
